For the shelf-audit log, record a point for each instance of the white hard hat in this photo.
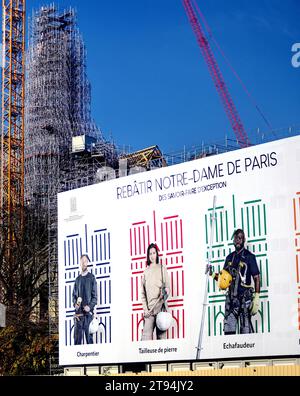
(93, 327)
(163, 320)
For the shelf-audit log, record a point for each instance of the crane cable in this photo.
(210, 35)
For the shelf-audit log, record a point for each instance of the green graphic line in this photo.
(261, 272)
(253, 220)
(213, 302)
(269, 322)
(209, 330)
(262, 317)
(261, 255)
(216, 220)
(206, 232)
(217, 207)
(267, 271)
(217, 296)
(251, 202)
(221, 219)
(242, 217)
(265, 220)
(259, 225)
(226, 214)
(248, 221)
(218, 246)
(217, 261)
(257, 240)
(261, 297)
(234, 219)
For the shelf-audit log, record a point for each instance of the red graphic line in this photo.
(162, 236)
(130, 243)
(298, 193)
(181, 233)
(297, 233)
(182, 278)
(170, 217)
(171, 301)
(297, 250)
(137, 309)
(137, 287)
(176, 230)
(183, 328)
(132, 326)
(154, 221)
(179, 252)
(172, 268)
(296, 242)
(140, 247)
(140, 222)
(171, 225)
(137, 272)
(138, 258)
(148, 235)
(136, 305)
(131, 289)
(135, 241)
(177, 281)
(175, 305)
(167, 237)
(144, 238)
(295, 222)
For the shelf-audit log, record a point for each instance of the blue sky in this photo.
(150, 84)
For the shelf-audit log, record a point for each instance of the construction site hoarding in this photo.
(256, 189)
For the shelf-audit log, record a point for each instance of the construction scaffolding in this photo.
(64, 149)
(58, 108)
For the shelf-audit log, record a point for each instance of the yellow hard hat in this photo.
(224, 279)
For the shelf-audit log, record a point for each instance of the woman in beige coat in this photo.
(154, 292)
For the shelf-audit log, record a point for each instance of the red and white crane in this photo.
(230, 109)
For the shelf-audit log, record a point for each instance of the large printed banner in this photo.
(256, 189)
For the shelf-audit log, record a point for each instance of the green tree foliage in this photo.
(25, 349)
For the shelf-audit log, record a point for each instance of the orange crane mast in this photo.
(12, 122)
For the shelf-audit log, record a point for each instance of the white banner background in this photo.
(103, 220)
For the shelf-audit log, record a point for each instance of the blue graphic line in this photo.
(71, 268)
(100, 247)
(72, 236)
(96, 241)
(109, 245)
(105, 263)
(102, 277)
(86, 239)
(65, 252)
(104, 229)
(69, 251)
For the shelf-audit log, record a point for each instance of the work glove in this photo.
(87, 308)
(255, 304)
(209, 270)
